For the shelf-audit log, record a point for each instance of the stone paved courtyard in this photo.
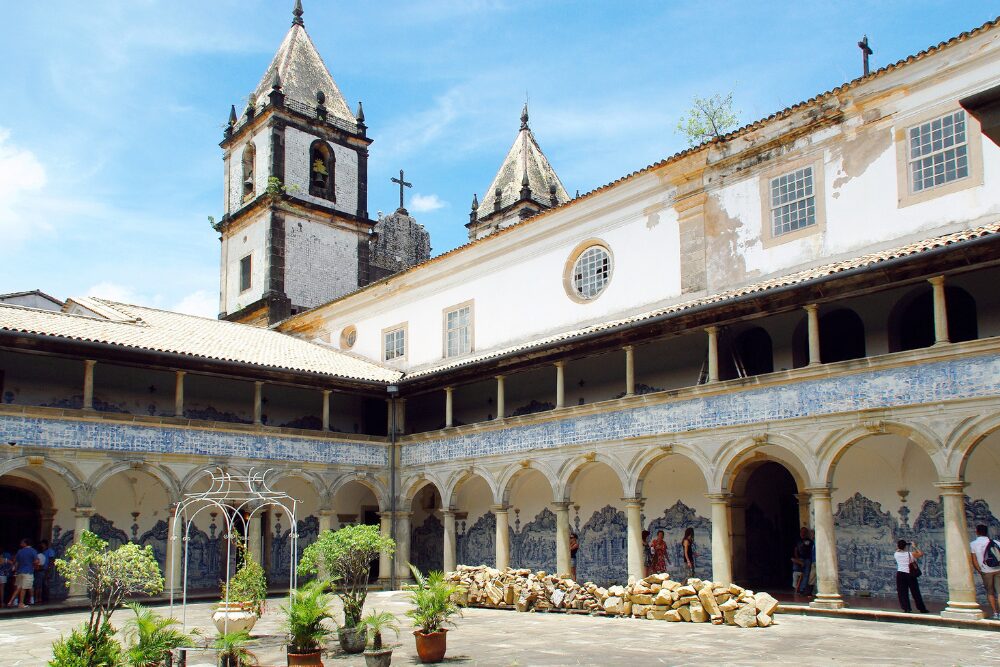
(503, 638)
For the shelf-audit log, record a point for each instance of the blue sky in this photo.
(112, 110)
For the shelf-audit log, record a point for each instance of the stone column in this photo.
(629, 370)
(812, 325)
(633, 513)
(501, 406)
(402, 547)
(385, 560)
(722, 551)
(449, 409)
(961, 588)
(827, 579)
(254, 536)
(563, 563)
(805, 516)
(450, 552)
(258, 394)
(175, 553)
(179, 393)
(560, 384)
(940, 311)
(713, 353)
(88, 384)
(503, 535)
(78, 591)
(326, 409)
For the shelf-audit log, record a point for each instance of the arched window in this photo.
(322, 165)
(841, 336)
(753, 352)
(249, 160)
(911, 322)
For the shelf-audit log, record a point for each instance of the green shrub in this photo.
(248, 585)
(84, 648)
(304, 616)
(150, 637)
(432, 601)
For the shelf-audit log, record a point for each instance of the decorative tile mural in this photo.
(68, 434)
(673, 522)
(477, 545)
(603, 554)
(281, 545)
(427, 544)
(926, 383)
(534, 545)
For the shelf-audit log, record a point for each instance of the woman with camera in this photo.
(907, 573)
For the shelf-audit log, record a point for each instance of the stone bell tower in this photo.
(295, 230)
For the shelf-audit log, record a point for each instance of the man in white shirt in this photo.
(990, 575)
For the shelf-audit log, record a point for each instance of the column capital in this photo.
(722, 497)
(951, 487)
(712, 330)
(500, 509)
(90, 363)
(810, 307)
(448, 512)
(181, 373)
(449, 389)
(628, 348)
(634, 502)
(802, 496)
(559, 364)
(259, 383)
(820, 491)
(327, 392)
(85, 511)
(499, 378)
(936, 280)
(562, 505)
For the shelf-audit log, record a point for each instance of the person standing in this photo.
(47, 573)
(687, 547)
(647, 555)
(6, 572)
(24, 564)
(805, 553)
(574, 546)
(39, 581)
(984, 556)
(907, 572)
(660, 557)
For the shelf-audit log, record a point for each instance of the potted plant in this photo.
(304, 616)
(233, 651)
(375, 623)
(432, 609)
(242, 596)
(151, 637)
(343, 557)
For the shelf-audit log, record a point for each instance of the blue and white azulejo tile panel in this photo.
(926, 383)
(69, 434)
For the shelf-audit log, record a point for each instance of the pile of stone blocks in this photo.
(656, 597)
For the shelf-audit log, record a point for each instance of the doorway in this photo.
(770, 527)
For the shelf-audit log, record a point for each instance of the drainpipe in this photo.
(393, 393)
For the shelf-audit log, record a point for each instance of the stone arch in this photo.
(163, 474)
(248, 164)
(964, 439)
(837, 443)
(571, 469)
(365, 479)
(648, 458)
(82, 492)
(734, 459)
(507, 477)
(313, 479)
(414, 486)
(455, 482)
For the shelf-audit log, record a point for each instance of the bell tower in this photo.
(295, 230)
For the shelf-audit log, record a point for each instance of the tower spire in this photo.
(524, 117)
(297, 13)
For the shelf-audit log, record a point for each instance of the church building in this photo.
(795, 324)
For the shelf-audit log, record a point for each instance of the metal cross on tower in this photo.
(865, 52)
(402, 184)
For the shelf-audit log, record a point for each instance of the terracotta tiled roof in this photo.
(721, 297)
(149, 329)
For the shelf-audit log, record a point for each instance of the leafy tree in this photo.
(708, 118)
(110, 576)
(345, 555)
(151, 637)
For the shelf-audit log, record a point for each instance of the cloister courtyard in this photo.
(505, 638)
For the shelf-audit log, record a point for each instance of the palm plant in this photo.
(233, 651)
(304, 616)
(377, 622)
(151, 637)
(432, 601)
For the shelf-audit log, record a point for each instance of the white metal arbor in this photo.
(238, 498)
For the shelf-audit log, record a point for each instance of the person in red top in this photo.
(660, 557)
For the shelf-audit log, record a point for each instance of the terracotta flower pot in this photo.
(309, 658)
(431, 646)
(352, 640)
(233, 617)
(379, 658)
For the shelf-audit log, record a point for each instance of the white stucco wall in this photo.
(321, 261)
(250, 238)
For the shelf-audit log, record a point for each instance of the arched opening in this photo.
(22, 512)
(475, 523)
(911, 322)
(427, 530)
(753, 352)
(841, 336)
(982, 499)
(532, 521)
(322, 165)
(356, 503)
(275, 529)
(766, 523)
(249, 166)
(599, 521)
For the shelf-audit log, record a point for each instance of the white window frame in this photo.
(785, 168)
(570, 270)
(401, 330)
(447, 330)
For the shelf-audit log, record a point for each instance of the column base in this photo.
(828, 602)
(963, 611)
(77, 599)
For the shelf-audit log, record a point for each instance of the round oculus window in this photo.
(348, 337)
(591, 272)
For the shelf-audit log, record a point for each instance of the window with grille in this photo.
(245, 273)
(395, 344)
(793, 201)
(938, 152)
(591, 272)
(458, 331)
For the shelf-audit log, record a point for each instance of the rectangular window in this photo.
(395, 344)
(793, 201)
(938, 152)
(245, 275)
(458, 331)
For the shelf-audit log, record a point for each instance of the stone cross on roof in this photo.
(402, 184)
(865, 52)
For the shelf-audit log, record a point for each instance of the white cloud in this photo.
(22, 175)
(115, 292)
(201, 302)
(424, 203)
